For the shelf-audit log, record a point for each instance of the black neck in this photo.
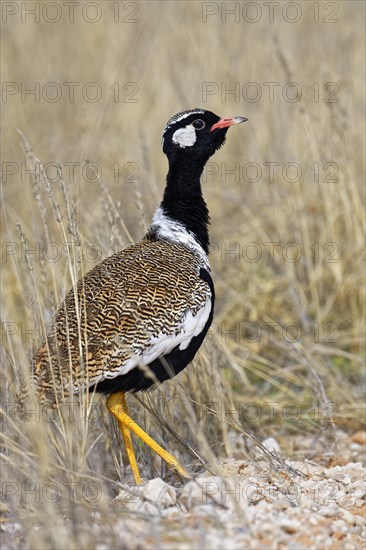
(183, 200)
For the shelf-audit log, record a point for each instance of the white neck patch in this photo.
(185, 137)
(174, 231)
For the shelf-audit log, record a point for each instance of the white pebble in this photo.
(348, 517)
(339, 526)
(202, 490)
(329, 511)
(272, 445)
(289, 525)
(160, 493)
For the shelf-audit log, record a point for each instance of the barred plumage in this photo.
(132, 308)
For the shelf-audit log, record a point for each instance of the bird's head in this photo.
(196, 134)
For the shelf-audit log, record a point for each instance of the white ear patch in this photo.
(185, 137)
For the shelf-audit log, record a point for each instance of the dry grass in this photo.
(292, 386)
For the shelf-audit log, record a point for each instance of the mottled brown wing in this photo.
(132, 307)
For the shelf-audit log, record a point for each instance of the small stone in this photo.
(348, 517)
(201, 491)
(347, 501)
(272, 445)
(280, 504)
(148, 508)
(288, 525)
(251, 492)
(128, 495)
(144, 507)
(329, 511)
(359, 437)
(265, 527)
(347, 480)
(339, 526)
(359, 495)
(172, 513)
(206, 511)
(160, 493)
(359, 513)
(358, 489)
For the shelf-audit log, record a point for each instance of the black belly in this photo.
(163, 368)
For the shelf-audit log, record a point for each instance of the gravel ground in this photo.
(306, 504)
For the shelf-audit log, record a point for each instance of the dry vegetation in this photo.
(60, 471)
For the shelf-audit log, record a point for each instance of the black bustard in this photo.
(139, 317)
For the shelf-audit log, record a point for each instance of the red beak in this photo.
(226, 122)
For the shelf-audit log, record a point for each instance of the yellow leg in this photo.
(126, 434)
(117, 406)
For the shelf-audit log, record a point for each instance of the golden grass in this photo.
(244, 381)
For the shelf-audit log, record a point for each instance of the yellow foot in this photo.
(117, 406)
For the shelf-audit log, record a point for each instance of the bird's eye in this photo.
(198, 124)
